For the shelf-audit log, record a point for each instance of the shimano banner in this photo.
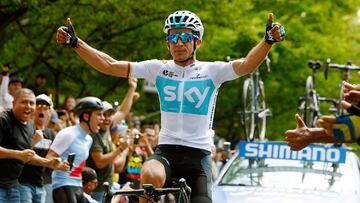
(280, 150)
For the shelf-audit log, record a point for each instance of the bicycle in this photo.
(255, 112)
(346, 77)
(150, 193)
(309, 105)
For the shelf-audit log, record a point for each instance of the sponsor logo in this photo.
(185, 96)
(169, 74)
(198, 76)
(275, 150)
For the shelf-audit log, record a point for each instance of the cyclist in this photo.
(75, 139)
(187, 89)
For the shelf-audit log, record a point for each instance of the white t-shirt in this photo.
(6, 99)
(187, 98)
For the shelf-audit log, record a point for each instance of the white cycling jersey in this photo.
(187, 98)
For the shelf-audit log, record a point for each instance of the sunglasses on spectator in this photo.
(185, 37)
(42, 106)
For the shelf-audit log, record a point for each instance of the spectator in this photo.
(38, 87)
(70, 116)
(67, 186)
(332, 129)
(90, 182)
(8, 88)
(55, 123)
(16, 132)
(119, 135)
(101, 153)
(33, 178)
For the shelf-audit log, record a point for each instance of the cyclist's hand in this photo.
(275, 32)
(66, 35)
(300, 137)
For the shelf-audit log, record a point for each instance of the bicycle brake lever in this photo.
(326, 68)
(183, 184)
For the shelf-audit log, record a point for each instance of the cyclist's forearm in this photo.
(253, 60)
(101, 61)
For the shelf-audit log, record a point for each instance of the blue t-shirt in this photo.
(72, 139)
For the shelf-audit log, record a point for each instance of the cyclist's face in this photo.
(181, 50)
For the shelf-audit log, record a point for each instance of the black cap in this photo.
(88, 174)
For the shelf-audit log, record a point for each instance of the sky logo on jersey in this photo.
(280, 150)
(184, 96)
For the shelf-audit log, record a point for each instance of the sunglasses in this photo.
(185, 37)
(42, 106)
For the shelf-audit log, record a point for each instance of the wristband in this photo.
(347, 128)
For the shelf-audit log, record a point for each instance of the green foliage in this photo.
(132, 30)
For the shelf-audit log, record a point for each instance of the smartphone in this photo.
(70, 159)
(227, 148)
(136, 138)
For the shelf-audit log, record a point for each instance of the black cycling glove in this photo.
(72, 39)
(269, 38)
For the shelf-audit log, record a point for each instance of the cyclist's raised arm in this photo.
(275, 32)
(97, 59)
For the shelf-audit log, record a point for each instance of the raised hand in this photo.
(66, 35)
(298, 138)
(275, 32)
(132, 82)
(37, 137)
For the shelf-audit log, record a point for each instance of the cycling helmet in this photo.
(88, 104)
(184, 19)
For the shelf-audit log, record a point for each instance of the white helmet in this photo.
(184, 19)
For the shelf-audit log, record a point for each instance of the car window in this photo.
(291, 174)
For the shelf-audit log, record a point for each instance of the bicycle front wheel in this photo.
(260, 129)
(248, 110)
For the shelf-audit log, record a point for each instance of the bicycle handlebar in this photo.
(348, 66)
(148, 190)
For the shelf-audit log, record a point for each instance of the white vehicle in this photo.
(270, 172)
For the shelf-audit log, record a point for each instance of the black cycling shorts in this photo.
(68, 194)
(190, 163)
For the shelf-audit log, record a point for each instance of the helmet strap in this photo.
(88, 121)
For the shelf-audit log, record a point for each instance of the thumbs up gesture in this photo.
(66, 35)
(275, 32)
(300, 137)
